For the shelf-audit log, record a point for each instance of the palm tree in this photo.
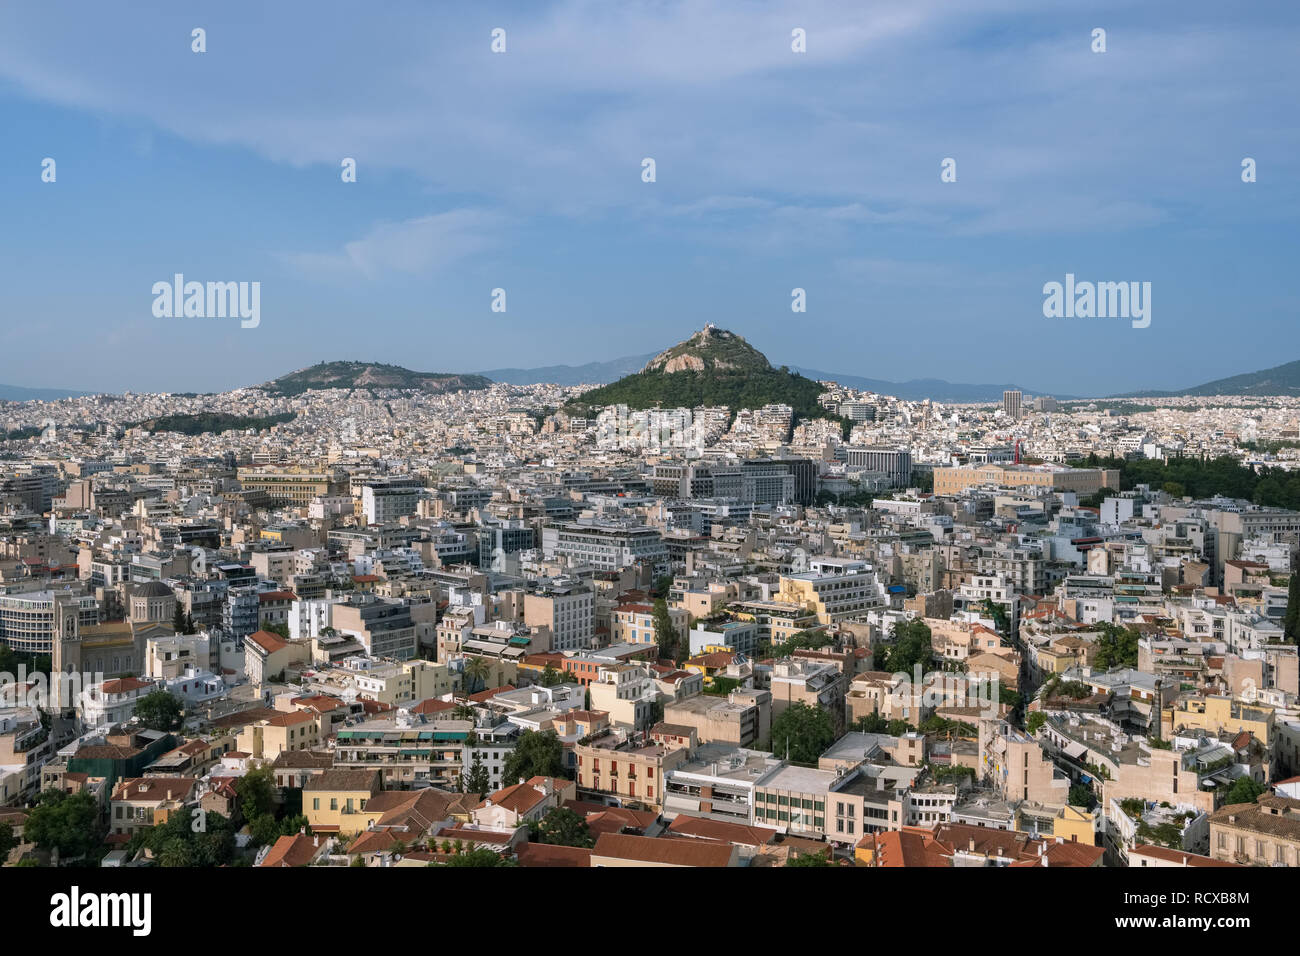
(476, 673)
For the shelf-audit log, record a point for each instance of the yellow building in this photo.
(335, 801)
(1074, 823)
(1214, 713)
(267, 739)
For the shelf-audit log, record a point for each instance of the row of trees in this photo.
(1204, 478)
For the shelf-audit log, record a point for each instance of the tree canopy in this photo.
(159, 710)
(68, 823)
(562, 827)
(536, 754)
(804, 731)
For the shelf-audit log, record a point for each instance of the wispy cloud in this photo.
(414, 246)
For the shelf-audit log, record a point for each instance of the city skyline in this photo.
(774, 171)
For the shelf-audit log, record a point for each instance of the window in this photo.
(315, 803)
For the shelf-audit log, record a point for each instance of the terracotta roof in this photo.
(641, 849)
(544, 854)
(124, 685)
(737, 833)
(268, 642)
(484, 696)
(619, 819)
(295, 850)
(345, 780)
(1178, 857)
(153, 789)
(906, 848)
(432, 706)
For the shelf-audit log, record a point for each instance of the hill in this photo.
(1279, 380)
(712, 367)
(215, 422)
(369, 375)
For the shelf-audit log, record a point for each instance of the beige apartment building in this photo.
(617, 766)
(1265, 833)
(1082, 481)
(743, 718)
(1018, 767)
(140, 802)
(290, 486)
(267, 739)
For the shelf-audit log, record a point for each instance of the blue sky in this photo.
(522, 171)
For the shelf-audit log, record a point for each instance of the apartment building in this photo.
(567, 611)
(741, 719)
(834, 589)
(627, 767)
(1265, 833)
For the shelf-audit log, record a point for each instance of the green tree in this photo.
(562, 827)
(159, 710)
(63, 822)
(1291, 622)
(536, 754)
(176, 842)
(1080, 796)
(476, 780)
(477, 670)
(178, 619)
(279, 630)
(802, 731)
(1035, 721)
(464, 712)
(257, 792)
(551, 676)
(7, 840)
(480, 857)
(263, 829)
(873, 723)
(820, 858)
(1001, 622)
(666, 635)
(1116, 647)
(1243, 790)
(911, 647)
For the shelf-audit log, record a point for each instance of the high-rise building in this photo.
(1011, 404)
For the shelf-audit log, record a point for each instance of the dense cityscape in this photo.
(331, 621)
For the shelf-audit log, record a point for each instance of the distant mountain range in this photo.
(16, 393)
(1279, 380)
(917, 389)
(593, 373)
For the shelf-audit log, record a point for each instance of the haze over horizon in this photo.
(774, 171)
